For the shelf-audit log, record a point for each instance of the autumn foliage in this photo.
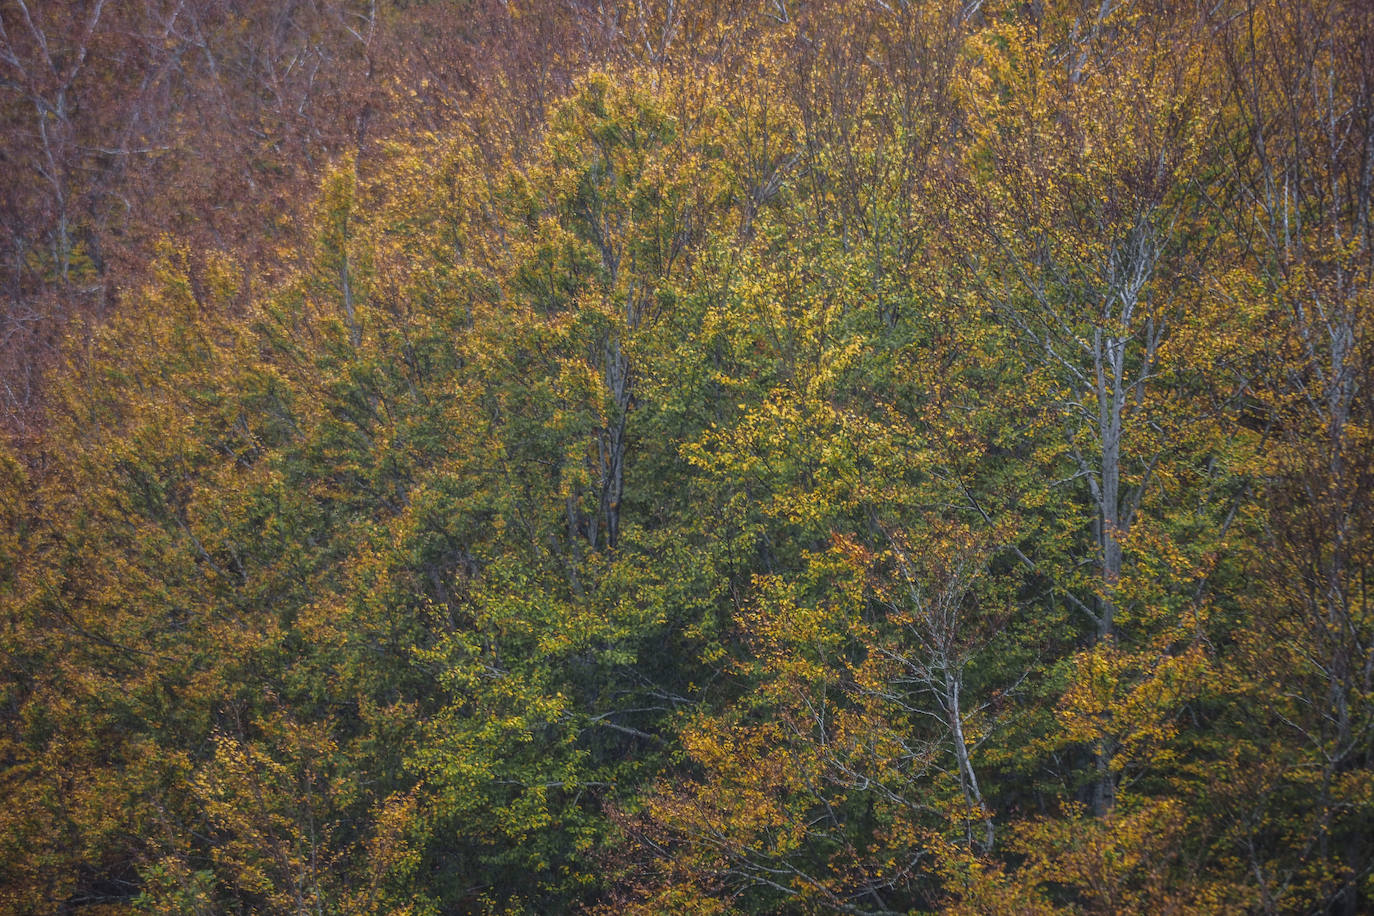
(651, 457)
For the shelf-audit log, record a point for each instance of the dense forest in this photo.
(652, 456)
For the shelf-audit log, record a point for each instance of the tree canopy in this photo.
(795, 457)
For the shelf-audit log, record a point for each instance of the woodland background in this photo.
(853, 456)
